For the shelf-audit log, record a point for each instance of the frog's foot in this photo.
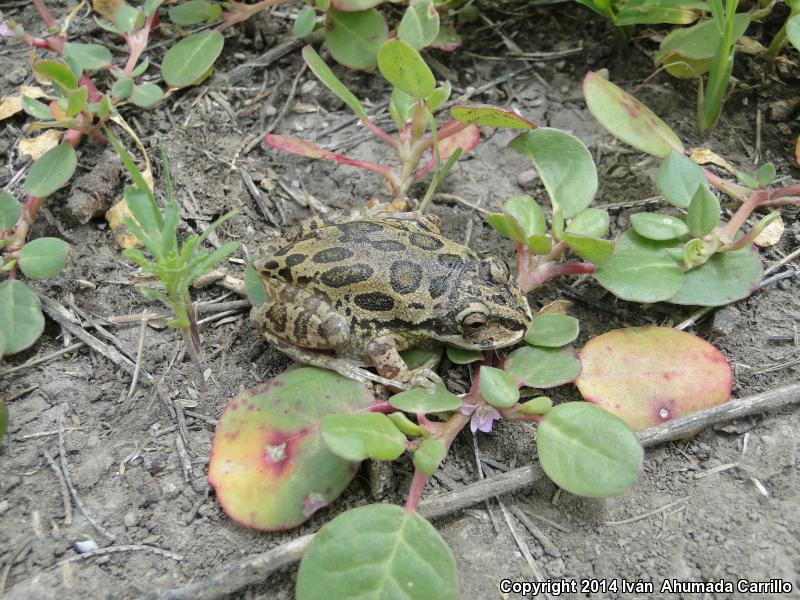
(425, 377)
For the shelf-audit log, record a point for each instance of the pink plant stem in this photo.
(45, 14)
(728, 187)
(741, 215)
(394, 143)
(241, 12)
(137, 42)
(530, 280)
(787, 192)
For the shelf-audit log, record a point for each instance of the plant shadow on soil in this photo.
(121, 453)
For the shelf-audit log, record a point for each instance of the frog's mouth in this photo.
(486, 339)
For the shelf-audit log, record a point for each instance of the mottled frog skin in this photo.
(351, 291)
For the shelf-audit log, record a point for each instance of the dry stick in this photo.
(523, 547)
(547, 545)
(139, 354)
(62, 484)
(117, 549)
(63, 456)
(38, 361)
(257, 568)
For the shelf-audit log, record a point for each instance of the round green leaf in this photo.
(650, 375)
(363, 435)
(565, 166)
(52, 170)
(527, 218)
(552, 330)
(655, 226)
(461, 356)
(592, 221)
(704, 212)
(122, 88)
(87, 56)
(641, 270)
(418, 357)
(146, 95)
(36, 109)
(191, 58)
(498, 388)
(192, 12)
(588, 451)
(490, 116)
(57, 72)
(540, 367)
(9, 211)
(43, 257)
(404, 68)
(269, 465)
(378, 551)
(593, 249)
(537, 406)
(793, 31)
(724, 278)
(304, 24)
(627, 118)
(350, 5)
(678, 178)
(354, 38)
(420, 24)
(21, 318)
(429, 455)
(406, 425)
(419, 400)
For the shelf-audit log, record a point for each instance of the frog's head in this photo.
(491, 310)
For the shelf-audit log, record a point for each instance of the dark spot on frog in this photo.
(285, 273)
(300, 330)
(437, 286)
(357, 231)
(405, 276)
(295, 259)
(388, 245)
(282, 251)
(425, 241)
(374, 301)
(450, 261)
(416, 305)
(270, 265)
(345, 275)
(329, 255)
(275, 313)
(499, 300)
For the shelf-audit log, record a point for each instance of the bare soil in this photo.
(721, 505)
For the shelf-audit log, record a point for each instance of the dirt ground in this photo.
(721, 505)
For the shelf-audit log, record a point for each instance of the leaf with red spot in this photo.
(649, 375)
(466, 139)
(269, 465)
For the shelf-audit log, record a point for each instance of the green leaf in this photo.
(429, 455)
(51, 171)
(655, 226)
(527, 218)
(592, 221)
(403, 67)
(354, 38)
(552, 330)
(188, 60)
(588, 451)
(87, 56)
(420, 24)
(498, 388)
(146, 95)
(724, 278)
(151, 6)
(9, 211)
(537, 406)
(650, 375)
(649, 12)
(540, 367)
(193, 12)
(421, 357)
(326, 76)
(361, 436)
(43, 258)
(565, 166)
(793, 31)
(350, 5)
(678, 178)
(704, 212)
(502, 224)
(304, 24)
(254, 287)
(122, 88)
(77, 101)
(439, 97)
(128, 18)
(36, 109)
(490, 116)
(640, 270)
(419, 400)
(460, 356)
(765, 174)
(627, 118)
(406, 425)
(401, 107)
(269, 465)
(57, 72)
(378, 551)
(21, 318)
(595, 250)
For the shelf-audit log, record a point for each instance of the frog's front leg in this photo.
(383, 353)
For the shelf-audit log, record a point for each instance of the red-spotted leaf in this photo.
(490, 116)
(269, 465)
(627, 118)
(649, 375)
(466, 139)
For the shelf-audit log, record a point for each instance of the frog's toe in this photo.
(426, 378)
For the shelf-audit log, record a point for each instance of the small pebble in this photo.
(16, 75)
(527, 179)
(725, 320)
(130, 519)
(85, 546)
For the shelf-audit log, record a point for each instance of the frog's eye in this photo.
(474, 321)
(498, 271)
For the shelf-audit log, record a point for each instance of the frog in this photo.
(349, 291)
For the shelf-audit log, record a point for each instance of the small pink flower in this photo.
(5, 30)
(483, 418)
